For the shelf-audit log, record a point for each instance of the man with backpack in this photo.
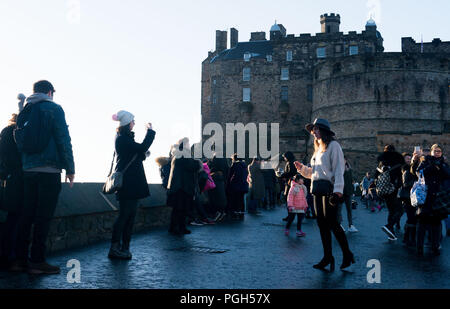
(43, 140)
(388, 180)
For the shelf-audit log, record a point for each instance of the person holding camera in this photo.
(327, 175)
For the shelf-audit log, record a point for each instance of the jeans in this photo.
(291, 217)
(395, 209)
(328, 222)
(269, 198)
(41, 192)
(348, 205)
(123, 227)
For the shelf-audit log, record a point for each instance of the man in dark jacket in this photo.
(393, 161)
(270, 180)
(42, 183)
(237, 187)
(289, 172)
(218, 198)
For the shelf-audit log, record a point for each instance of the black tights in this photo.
(291, 218)
(327, 220)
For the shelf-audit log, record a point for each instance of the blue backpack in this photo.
(33, 130)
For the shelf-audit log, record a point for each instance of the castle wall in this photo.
(362, 96)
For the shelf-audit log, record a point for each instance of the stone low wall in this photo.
(85, 216)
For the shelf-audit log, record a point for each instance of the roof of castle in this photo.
(257, 49)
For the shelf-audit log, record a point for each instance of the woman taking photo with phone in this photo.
(327, 176)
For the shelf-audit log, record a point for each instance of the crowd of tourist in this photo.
(36, 146)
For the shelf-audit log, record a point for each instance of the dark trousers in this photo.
(253, 205)
(348, 206)
(9, 237)
(291, 218)
(395, 209)
(237, 201)
(123, 227)
(41, 192)
(327, 221)
(182, 203)
(433, 225)
(269, 198)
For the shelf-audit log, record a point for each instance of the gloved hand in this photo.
(335, 200)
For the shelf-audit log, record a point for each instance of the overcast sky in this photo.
(145, 57)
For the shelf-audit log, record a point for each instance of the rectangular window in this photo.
(246, 75)
(321, 52)
(309, 93)
(284, 93)
(353, 50)
(338, 49)
(305, 50)
(247, 56)
(289, 55)
(285, 74)
(246, 95)
(269, 58)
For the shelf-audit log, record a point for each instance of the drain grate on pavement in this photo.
(200, 249)
(274, 224)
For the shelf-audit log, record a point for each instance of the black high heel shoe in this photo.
(324, 263)
(347, 261)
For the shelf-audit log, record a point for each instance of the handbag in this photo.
(384, 186)
(114, 181)
(419, 191)
(321, 187)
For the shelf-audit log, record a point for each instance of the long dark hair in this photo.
(124, 130)
(326, 136)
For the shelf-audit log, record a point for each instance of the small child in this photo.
(297, 204)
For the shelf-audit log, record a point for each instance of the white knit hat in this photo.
(124, 117)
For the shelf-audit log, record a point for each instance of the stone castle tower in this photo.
(370, 97)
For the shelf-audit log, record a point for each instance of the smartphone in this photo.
(417, 149)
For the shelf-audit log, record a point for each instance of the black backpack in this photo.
(33, 130)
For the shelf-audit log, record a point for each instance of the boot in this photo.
(406, 235)
(116, 253)
(126, 250)
(412, 235)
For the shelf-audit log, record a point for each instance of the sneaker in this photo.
(352, 229)
(42, 268)
(342, 228)
(392, 238)
(218, 216)
(186, 232)
(196, 223)
(286, 232)
(300, 234)
(390, 233)
(207, 221)
(373, 209)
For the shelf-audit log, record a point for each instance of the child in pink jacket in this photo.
(297, 205)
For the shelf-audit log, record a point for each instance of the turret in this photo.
(330, 23)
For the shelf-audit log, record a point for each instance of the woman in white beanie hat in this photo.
(129, 158)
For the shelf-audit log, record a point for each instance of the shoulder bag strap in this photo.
(112, 164)
(128, 165)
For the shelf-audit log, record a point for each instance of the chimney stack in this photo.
(221, 41)
(234, 37)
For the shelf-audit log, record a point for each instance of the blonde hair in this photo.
(13, 120)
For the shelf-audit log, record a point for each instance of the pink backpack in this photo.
(209, 183)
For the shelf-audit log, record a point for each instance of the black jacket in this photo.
(270, 178)
(237, 179)
(135, 184)
(437, 177)
(9, 155)
(392, 159)
(184, 176)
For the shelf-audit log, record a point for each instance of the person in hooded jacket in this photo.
(134, 187)
(219, 170)
(164, 169)
(289, 172)
(11, 178)
(393, 161)
(237, 186)
(437, 178)
(256, 185)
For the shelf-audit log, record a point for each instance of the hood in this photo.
(162, 161)
(38, 97)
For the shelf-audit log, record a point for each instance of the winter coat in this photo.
(237, 178)
(256, 182)
(184, 176)
(10, 172)
(391, 159)
(270, 178)
(164, 170)
(296, 199)
(58, 153)
(348, 185)
(408, 180)
(135, 184)
(437, 177)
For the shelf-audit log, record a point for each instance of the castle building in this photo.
(370, 97)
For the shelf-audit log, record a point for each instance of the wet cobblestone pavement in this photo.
(249, 254)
